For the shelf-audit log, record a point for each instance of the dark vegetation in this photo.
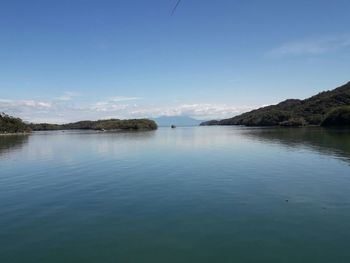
(322, 108)
(10, 124)
(112, 124)
(337, 116)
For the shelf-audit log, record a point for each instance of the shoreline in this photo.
(14, 133)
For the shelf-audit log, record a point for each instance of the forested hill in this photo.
(111, 124)
(293, 112)
(10, 124)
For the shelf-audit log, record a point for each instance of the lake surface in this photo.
(200, 194)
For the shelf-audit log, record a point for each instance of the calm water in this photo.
(203, 194)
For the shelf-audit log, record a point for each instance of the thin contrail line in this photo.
(175, 7)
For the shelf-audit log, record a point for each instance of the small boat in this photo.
(173, 126)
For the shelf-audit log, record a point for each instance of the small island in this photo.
(328, 108)
(100, 125)
(12, 125)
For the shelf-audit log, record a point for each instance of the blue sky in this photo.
(70, 60)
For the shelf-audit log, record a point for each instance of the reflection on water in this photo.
(324, 140)
(200, 194)
(10, 143)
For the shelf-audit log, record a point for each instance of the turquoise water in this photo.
(200, 194)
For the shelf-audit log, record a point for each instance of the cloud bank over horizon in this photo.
(65, 109)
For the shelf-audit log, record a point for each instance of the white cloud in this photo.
(55, 111)
(105, 107)
(112, 104)
(122, 98)
(312, 46)
(24, 104)
(67, 96)
(199, 111)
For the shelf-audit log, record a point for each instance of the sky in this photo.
(69, 60)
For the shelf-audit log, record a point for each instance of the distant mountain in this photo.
(315, 110)
(176, 120)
